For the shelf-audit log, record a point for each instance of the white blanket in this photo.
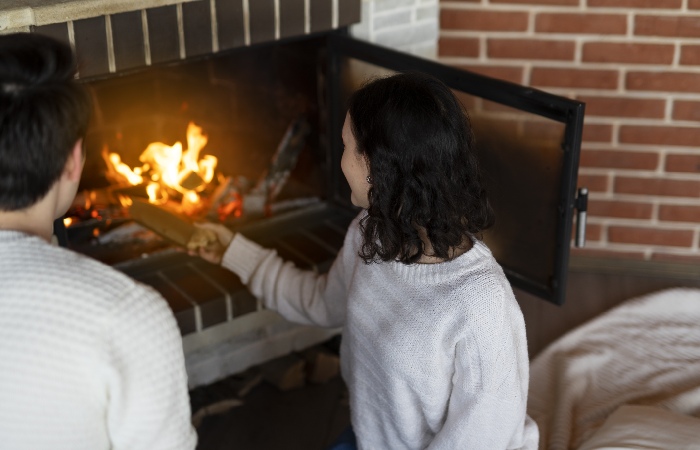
(643, 352)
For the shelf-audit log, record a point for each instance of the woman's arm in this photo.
(300, 296)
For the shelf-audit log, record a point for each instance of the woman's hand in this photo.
(209, 241)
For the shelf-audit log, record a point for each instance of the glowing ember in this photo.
(168, 167)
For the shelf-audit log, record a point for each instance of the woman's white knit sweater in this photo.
(434, 355)
(89, 359)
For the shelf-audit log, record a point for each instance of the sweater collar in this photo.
(469, 260)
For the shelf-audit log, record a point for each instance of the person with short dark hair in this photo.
(433, 349)
(89, 359)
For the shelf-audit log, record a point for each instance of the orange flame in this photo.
(168, 166)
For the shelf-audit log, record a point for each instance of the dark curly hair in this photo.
(43, 113)
(418, 142)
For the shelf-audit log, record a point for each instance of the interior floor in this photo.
(251, 413)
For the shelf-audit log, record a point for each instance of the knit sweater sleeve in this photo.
(487, 406)
(300, 296)
(146, 379)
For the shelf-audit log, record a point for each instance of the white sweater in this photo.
(434, 355)
(89, 359)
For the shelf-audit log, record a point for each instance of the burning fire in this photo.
(167, 170)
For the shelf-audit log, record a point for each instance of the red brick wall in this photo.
(636, 65)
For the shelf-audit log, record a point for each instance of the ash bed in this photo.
(628, 378)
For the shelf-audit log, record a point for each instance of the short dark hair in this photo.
(43, 113)
(418, 142)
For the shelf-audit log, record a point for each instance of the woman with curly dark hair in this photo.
(433, 351)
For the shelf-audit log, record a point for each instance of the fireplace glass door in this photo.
(528, 143)
(251, 138)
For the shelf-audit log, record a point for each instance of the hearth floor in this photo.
(306, 418)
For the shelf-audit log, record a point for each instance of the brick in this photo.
(577, 78)
(660, 135)
(594, 183)
(196, 24)
(615, 159)
(620, 209)
(657, 186)
(663, 81)
(320, 15)
(512, 74)
(690, 55)
(693, 4)
(624, 107)
(605, 253)
(537, 2)
(229, 16)
(667, 26)
(292, 18)
(453, 46)
(262, 20)
(163, 33)
(530, 49)
(128, 40)
(679, 213)
(610, 52)
(650, 4)
(57, 31)
(395, 19)
(650, 236)
(595, 132)
(594, 232)
(349, 12)
(670, 257)
(686, 110)
(682, 163)
(91, 46)
(581, 23)
(458, 19)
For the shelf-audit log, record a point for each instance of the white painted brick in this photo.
(407, 36)
(427, 13)
(386, 5)
(428, 50)
(361, 30)
(411, 26)
(385, 21)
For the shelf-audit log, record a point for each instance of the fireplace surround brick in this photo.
(115, 36)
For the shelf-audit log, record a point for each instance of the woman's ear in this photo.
(75, 162)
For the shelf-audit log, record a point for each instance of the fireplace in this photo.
(251, 101)
(264, 113)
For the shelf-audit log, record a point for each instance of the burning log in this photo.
(284, 160)
(164, 221)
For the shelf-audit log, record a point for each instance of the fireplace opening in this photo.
(232, 138)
